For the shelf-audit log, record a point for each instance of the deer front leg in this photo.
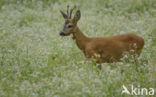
(87, 56)
(99, 61)
(91, 54)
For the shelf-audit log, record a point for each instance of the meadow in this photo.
(36, 62)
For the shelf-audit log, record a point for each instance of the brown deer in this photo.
(103, 49)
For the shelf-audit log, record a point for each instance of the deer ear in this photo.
(77, 15)
(63, 14)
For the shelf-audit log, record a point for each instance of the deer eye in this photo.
(70, 26)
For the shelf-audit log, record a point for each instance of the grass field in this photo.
(36, 62)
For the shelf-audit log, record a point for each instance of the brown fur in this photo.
(109, 49)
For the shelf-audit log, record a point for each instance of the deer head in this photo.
(70, 23)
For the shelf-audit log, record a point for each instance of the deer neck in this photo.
(80, 38)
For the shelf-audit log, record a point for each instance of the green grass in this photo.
(36, 61)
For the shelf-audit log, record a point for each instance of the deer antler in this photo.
(68, 15)
(71, 10)
(68, 11)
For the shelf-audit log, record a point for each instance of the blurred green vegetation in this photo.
(36, 61)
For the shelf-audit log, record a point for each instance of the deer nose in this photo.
(62, 33)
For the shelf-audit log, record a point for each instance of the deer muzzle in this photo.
(62, 34)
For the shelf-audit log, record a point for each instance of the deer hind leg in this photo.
(135, 58)
(136, 55)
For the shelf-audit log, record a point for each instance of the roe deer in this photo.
(103, 49)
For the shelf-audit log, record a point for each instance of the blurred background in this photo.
(35, 61)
